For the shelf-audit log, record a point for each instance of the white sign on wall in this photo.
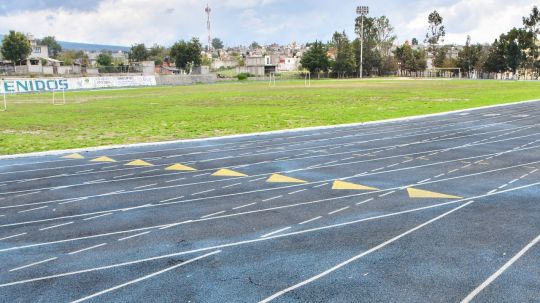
(83, 83)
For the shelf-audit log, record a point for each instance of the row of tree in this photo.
(512, 51)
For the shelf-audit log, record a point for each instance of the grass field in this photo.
(167, 113)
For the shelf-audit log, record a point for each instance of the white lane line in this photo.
(28, 210)
(367, 252)
(14, 236)
(57, 225)
(99, 216)
(387, 194)
(171, 199)
(298, 191)
(503, 186)
(232, 185)
(492, 192)
(365, 201)
(346, 159)
(179, 179)
(275, 232)
(133, 236)
(136, 207)
(310, 220)
(153, 170)
(84, 171)
(203, 192)
(501, 270)
(338, 210)
(200, 175)
(377, 169)
(122, 176)
(244, 206)
(72, 201)
(426, 180)
(214, 214)
(360, 162)
(89, 182)
(234, 244)
(513, 181)
(175, 224)
(33, 264)
(393, 165)
(320, 185)
(532, 172)
(258, 179)
(145, 277)
(453, 171)
(145, 186)
(28, 194)
(438, 176)
(85, 249)
(273, 198)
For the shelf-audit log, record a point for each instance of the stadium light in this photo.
(362, 11)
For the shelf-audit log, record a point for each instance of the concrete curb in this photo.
(111, 147)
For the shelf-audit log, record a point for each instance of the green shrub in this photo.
(243, 76)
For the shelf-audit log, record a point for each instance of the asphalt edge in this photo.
(312, 128)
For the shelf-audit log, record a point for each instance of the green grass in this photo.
(168, 113)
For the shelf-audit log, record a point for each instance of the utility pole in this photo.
(362, 11)
(208, 10)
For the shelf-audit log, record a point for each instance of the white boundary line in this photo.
(145, 277)
(501, 270)
(110, 147)
(367, 252)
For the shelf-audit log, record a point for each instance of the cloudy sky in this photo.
(239, 22)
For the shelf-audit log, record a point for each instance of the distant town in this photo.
(374, 52)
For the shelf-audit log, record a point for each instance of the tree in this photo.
(378, 36)
(345, 60)
(104, 60)
(254, 45)
(495, 61)
(469, 56)
(157, 53)
(70, 57)
(138, 53)
(410, 60)
(436, 30)
(217, 43)
(16, 47)
(439, 56)
(315, 59)
(187, 54)
(54, 47)
(414, 41)
(532, 24)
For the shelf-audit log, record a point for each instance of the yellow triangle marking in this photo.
(180, 167)
(103, 159)
(228, 173)
(425, 194)
(342, 185)
(139, 163)
(277, 178)
(73, 156)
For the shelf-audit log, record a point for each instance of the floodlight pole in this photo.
(362, 11)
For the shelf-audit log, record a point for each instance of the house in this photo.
(38, 51)
(257, 66)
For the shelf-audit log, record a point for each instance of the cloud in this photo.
(484, 20)
(125, 22)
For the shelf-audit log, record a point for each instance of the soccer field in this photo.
(108, 117)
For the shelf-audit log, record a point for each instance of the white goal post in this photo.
(441, 71)
(21, 91)
(290, 75)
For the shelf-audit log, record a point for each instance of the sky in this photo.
(240, 22)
